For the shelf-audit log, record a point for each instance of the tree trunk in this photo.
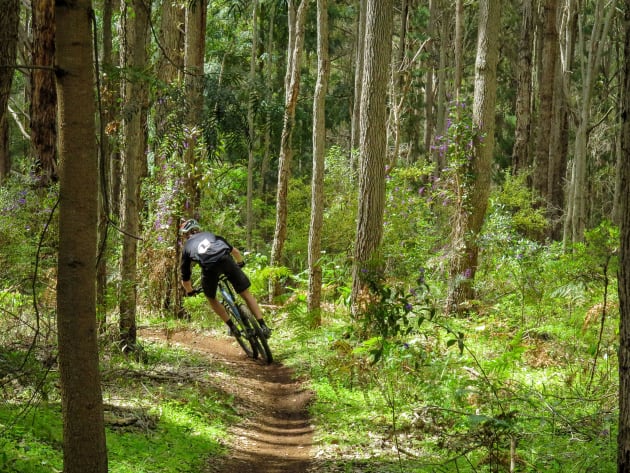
(319, 152)
(84, 446)
(134, 99)
(576, 219)
(473, 209)
(250, 125)
(545, 93)
(292, 82)
(358, 77)
(194, 55)
(9, 22)
(623, 437)
(522, 133)
(169, 64)
(43, 95)
(269, 92)
(373, 141)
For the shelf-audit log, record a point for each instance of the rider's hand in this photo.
(241, 264)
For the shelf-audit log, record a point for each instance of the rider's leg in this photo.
(251, 302)
(219, 309)
(249, 298)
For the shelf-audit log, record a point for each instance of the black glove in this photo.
(240, 264)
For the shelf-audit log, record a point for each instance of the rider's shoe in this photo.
(266, 331)
(234, 332)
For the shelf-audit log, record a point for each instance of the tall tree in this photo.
(135, 18)
(43, 96)
(522, 133)
(194, 55)
(84, 445)
(373, 139)
(319, 152)
(545, 100)
(292, 89)
(250, 124)
(9, 22)
(472, 209)
(358, 76)
(593, 50)
(623, 437)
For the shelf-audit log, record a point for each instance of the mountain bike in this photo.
(249, 335)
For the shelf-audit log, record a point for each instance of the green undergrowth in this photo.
(163, 416)
(480, 393)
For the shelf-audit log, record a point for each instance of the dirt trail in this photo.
(276, 435)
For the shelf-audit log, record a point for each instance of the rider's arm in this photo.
(236, 255)
(187, 286)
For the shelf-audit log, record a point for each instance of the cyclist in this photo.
(216, 256)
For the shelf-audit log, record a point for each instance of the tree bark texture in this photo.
(473, 211)
(623, 437)
(135, 105)
(373, 139)
(545, 93)
(319, 154)
(43, 94)
(9, 22)
(286, 150)
(84, 446)
(522, 134)
(358, 77)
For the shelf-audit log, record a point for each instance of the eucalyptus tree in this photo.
(373, 141)
(358, 75)
(623, 437)
(471, 210)
(545, 99)
(523, 107)
(135, 23)
(250, 123)
(296, 18)
(84, 445)
(9, 23)
(319, 151)
(194, 56)
(43, 103)
(591, 51)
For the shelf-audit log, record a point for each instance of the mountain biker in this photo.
(216, 256)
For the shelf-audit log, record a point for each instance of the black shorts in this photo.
(226, 265)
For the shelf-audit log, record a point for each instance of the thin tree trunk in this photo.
(43, 95)
(473, 208)
(250, 125)
(358, 77)
(194, 55)
(135, 98)
(522, 133)
(623, 437)
(373, 142)
(545, 92)
(603, 15)
(319, 151)
(292, 81)
(84, 446)
(9, 22)
(264, 167)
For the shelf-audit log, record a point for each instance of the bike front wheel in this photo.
(243, 337)
(257, 339)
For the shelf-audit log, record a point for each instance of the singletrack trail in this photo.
(275, 434)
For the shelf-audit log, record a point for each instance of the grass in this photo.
(518, 393)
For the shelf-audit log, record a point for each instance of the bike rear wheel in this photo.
(257, 340)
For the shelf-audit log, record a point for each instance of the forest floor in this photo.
(275, 434)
